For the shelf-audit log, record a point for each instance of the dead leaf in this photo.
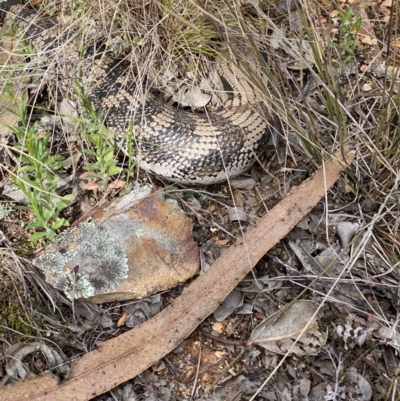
(122, 319)
(294, 329)
(17, 353)
(366, 87)
(8, 116)
(360, 383)
(87, 175)
(90, 186)
(367, 32)
(124, 357)
(13, 192)
(243, 183)
(233, 301)
(346, 231)
(192, 97)
(237, 214)
(388, 335)
(116, 184)
(72, 160)
(308, 262)
(367, 40)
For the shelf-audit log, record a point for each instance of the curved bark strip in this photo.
(129, 354)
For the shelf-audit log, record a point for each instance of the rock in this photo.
(128, 248)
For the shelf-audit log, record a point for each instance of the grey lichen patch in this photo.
(84, 260)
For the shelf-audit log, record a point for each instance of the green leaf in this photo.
(109, 155)
(62, 204)
(25, 169)
(38, 235)
(91, 167)
(45, 203)
(47, 214)
(109, 163)
(114, 170)
(32, 184)
(68, 197)
(90, 152)
(58, 224)
(139, 42)
(33, 224)
(53, 162)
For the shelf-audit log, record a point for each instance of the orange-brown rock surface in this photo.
(128, 248)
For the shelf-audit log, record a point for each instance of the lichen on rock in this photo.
(89, 258)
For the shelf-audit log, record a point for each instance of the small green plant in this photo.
(347, 36)
(17, 318)
(5, 210)
(37, 178)
(104, 165)
(36, 174)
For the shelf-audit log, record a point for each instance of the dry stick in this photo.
(129, 354)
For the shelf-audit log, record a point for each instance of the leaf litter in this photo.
(173, 324)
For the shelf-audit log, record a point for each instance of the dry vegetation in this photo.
(329, 73)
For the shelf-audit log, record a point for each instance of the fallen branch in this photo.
(129, 354)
